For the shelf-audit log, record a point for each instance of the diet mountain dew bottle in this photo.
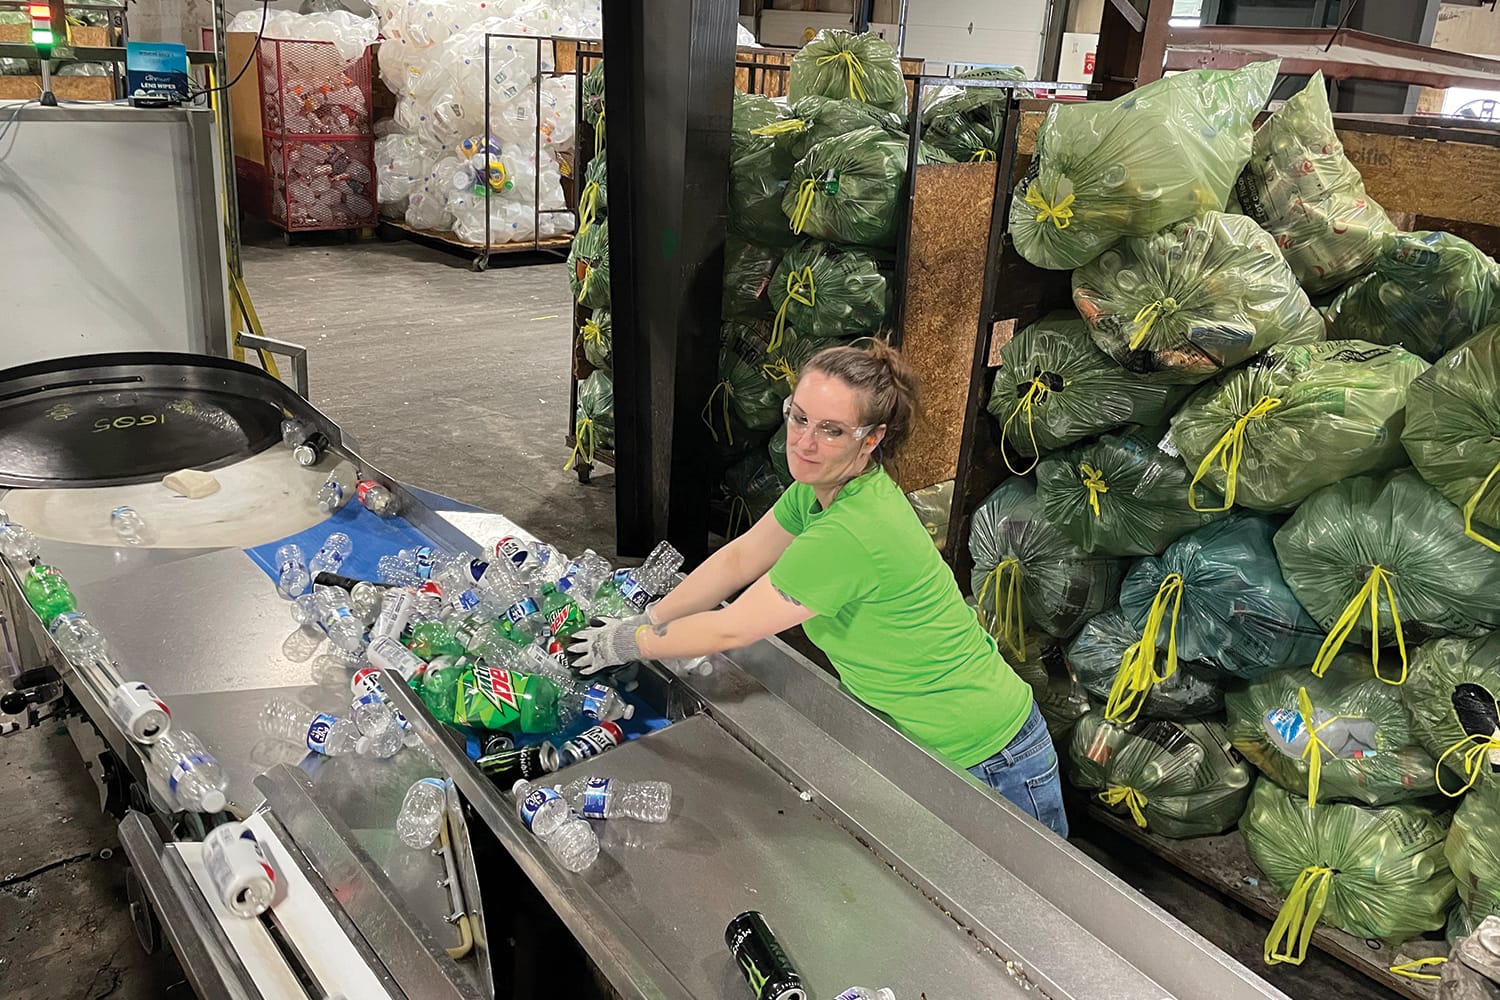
(503, 699)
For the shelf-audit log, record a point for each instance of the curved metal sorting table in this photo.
(876, 862)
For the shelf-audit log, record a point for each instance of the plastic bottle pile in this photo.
(1244, 556)
(439, 163)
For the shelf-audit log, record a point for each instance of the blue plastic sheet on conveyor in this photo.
(373, 537)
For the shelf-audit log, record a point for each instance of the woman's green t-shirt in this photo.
(889, 615)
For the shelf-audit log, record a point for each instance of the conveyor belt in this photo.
(877, 863)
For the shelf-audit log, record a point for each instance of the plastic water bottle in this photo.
(409, 567)
(366, 683)
(328, 609)
(570, 840)
(629, 591)
(377, 724)
(429, 606)
(128, 524)
(48, 593)
(421, 816)
(861, 993)
(603, 703)
(293, 432)
(17, 543)
(77, 637)
(334, 493)
(377, 499)
(294, 722)
(335, 549)
(292, 576)
(365, 599)
(187, 771)
(608, 798)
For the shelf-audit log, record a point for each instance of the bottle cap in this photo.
(629, 712)
(213, 801)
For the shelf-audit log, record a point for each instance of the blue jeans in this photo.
(1025, 771)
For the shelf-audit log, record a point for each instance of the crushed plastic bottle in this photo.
(331, 555)
(409, 567)
(570, 840)
(629, 591)
(293, 432)
(335, 492)
(17, 543)
(294, 722)
(377, 724)
(48, 593)
(187, 772)
(603, 703)
(421, 816)
(862, 993)
(366, 682)
(77, 637)
(128, 524)
(609, 798)
(377, 499)
(429, 606)
(292, 576)
(365, 599)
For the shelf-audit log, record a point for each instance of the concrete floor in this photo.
(458, 382)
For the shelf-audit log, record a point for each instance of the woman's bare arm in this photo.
(759, 612)
(726, 572)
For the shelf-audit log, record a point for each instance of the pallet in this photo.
(1223, 863)
(448, 241)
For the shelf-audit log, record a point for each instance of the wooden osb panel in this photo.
(1448, 179)
(244, 97)
(950, 228)
(66, 88)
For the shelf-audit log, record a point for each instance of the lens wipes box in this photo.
(157, 73)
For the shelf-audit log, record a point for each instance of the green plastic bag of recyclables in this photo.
(1453, 430)
(1473, 851)
(1439, 670)
(1342, 737)
(1392, 548)
(1429, 293)
(1301, 188)
(1054, 388)
(760, 161)
(1219, 592)
(1027, 575)
(1129, 167)
(848, 189)
(588, 267)
(1118, 496)
(965, 121)
(597, 334)
(1094, 656)
(824, 291)
(594, 422)
(837, 63)
(1295, 419)
(1201, 296)
(1377, 873)
(1176, 779)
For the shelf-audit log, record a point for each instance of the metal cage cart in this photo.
(320, 152)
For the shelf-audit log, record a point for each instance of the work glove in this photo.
(606, 643)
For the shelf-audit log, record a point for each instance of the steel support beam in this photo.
(668, 102)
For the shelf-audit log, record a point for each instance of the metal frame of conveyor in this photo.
(868, 854)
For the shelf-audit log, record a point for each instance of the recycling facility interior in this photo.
(395, 332)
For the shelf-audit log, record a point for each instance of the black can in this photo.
(530, 763)
(761, 959)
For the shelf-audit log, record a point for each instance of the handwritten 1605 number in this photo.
(128, 420)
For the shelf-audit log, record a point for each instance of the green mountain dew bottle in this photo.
(429, 639)
(48, 593)
(490, 698)
(437, 686)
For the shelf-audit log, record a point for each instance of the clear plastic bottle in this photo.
(607, 798)
(77, 637)
(377, 499)
(335, 549)
(334, 493)
(128, 524)
(629, 591)
(862, 993)
(293, 431)
(570, 840)
(338, 621)
(377, 724)
(365, 599)
(17, 543)
(429, 606)
(294, 722)
(292, 576)
(603, 703)
(187, 772)
(421, 816)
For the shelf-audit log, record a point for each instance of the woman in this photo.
(843, 554)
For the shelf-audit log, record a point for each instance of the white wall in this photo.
(1002, 32)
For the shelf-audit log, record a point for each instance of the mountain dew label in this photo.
(490, 698)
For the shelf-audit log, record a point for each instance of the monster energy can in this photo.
(528, 763)
(761, 959)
